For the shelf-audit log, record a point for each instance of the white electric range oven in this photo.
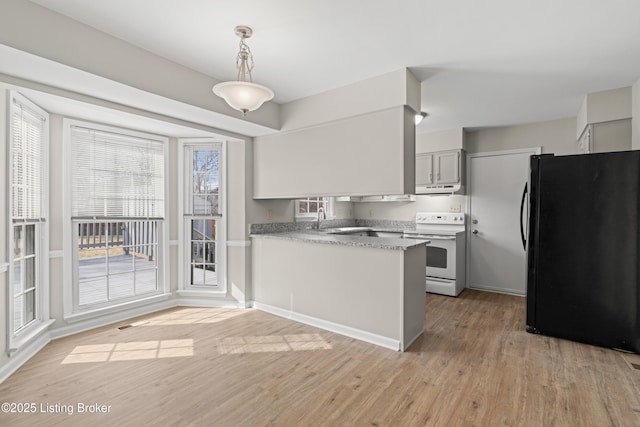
(445, 263)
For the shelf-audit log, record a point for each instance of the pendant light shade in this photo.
(243, 95)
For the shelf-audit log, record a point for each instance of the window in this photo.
(28, 244)
(203, 243)
(307, 208)
(117, 215)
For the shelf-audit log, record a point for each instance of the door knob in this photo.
(475, 231)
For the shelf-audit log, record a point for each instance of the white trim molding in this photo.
(20, 358)
(29, 335)
(332, 327)
(56, 254)
(186, 213)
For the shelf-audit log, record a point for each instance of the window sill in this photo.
(201, 293)
(29, 335)
(90, 314)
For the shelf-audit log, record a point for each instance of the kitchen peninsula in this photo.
(369, 288)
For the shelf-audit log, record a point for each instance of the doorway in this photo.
(496, 258)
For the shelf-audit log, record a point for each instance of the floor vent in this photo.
(128, 326)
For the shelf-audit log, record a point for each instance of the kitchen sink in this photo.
(361, 231)
(345, 230)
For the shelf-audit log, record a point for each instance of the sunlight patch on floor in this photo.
(272, 343)
(190, 316)
(135, 350)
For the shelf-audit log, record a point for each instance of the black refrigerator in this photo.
(583, 250)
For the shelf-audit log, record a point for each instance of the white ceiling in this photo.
(481, 63)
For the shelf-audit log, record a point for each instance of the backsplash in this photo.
(406, 211)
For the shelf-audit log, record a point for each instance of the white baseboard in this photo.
(21, 357)
(196, 302)
(348, 331)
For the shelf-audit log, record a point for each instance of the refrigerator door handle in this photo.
(524, 196)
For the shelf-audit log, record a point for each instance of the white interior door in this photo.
(495, 255)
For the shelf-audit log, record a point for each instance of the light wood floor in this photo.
(475, 366)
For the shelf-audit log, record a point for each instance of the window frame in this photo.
(91, 307)
(186, 146)
(73, 312)
(313, 216)
(18, 338)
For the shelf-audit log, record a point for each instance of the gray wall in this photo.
(557, 136)
(612, 136)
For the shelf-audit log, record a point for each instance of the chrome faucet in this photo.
(324, 216)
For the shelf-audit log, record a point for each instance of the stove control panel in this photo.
(440, 218)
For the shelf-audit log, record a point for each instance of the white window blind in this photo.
(28, 130)
(116, 175)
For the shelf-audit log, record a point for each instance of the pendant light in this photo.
(242, 94)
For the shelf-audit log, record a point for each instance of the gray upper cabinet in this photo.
(447, 167)
(424, 169)
(439, 172)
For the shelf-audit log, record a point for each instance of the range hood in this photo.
(439, 189)
(384, 198)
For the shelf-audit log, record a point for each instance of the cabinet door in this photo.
(447, 166)
(424, 169)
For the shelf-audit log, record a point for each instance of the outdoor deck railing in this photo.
(131, 236)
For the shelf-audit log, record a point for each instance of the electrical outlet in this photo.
(269, 214)
(370, 213)
(454, 208)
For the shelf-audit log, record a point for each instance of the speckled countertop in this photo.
(315, 236)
